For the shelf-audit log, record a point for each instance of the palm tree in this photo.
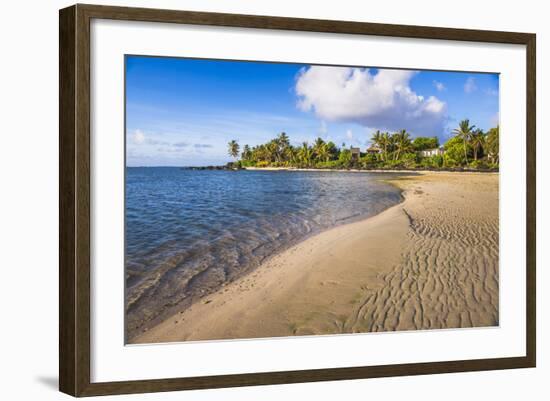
(318, 148)
(464, 132)
(283, 140)
(286, 154)
(323, 153)
(246, 154)
(273, 149)
(386, 143)
(402, 141)
(331, 149)
(282, 143)
(264, 153)
(477, 141)
(304, 153)
(291, 155)
(233, 148)
(492, 142)
(257, 153)
(377, 139)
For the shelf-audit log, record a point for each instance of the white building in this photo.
(433, 152)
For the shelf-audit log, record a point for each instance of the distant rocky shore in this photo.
(228, 166)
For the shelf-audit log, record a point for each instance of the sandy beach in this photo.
(430, 262)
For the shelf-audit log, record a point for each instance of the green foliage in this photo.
(449, 162)
(477, 141)
(410, 160)
(492, 144)
(246, 154)
(236, 164)
(479, 165)
(393, 164)
(469, 147)
(465, 133)
(435, 161)
(345, 157)
(331, 164)
(424, 143)
(332, 150)
(454, 152)
(304, 155)
(403, 144)
(369, 161)
(248, 163)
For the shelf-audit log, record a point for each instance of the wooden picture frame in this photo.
(74, 199)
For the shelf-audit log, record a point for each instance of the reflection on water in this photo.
(190, 231)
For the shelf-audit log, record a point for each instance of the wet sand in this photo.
(430, 262)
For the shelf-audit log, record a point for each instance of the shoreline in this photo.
(188, 302)
(352, 278)
(404, 171)
(190, 299)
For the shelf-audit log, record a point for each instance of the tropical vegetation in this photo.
(467, 148)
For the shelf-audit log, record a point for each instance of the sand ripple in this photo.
(448, 275)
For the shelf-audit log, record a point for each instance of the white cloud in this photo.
(491, 92)
(138, 137)
(323, 128)
(470, 85)
(152, 141)
(439, 86)
(383, 100)
(349, 134)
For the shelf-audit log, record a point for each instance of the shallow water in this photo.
(188, 232)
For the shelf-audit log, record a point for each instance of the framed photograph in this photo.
(250, 200)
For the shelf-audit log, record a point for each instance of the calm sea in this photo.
(188, 232)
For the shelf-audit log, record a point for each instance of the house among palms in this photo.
(440, 151)
(373, 150)
(355, 153)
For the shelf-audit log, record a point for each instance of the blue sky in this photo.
(182, 112)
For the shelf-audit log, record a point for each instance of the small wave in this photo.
(176, 253)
